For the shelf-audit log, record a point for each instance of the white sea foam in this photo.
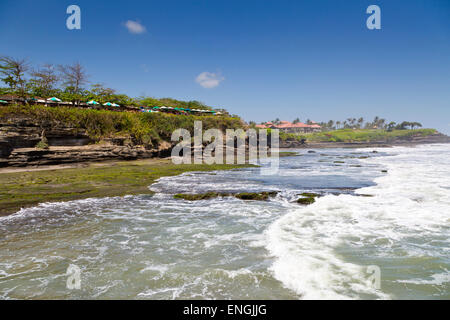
(409, 207)
(159, 247)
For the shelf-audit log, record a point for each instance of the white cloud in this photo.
(135, 27)
(209, 80)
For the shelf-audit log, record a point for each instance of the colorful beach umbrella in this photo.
(54, 99)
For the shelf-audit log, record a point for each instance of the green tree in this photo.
(101, 93)
(330, 124)
(13, 72)
(415, 125)
(391, 125)
(403, 126)
(360, 122)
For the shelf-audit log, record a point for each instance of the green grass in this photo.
(358, 135)
(24, 189)
(143, 127)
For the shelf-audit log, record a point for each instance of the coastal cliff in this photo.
(73, 135)
(38, 136)
(66, 144)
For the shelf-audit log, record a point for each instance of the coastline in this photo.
(438, 138)
(28, 186)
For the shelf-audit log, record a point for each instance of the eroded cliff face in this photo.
(20, 135)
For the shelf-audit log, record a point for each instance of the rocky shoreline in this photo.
(68, 145)
(26, 187)
(401, 141)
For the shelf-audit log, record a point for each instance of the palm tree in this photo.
(375, 121)
(360, 122)
(391, 126)
(415, 124)
(330, 124)
(338, 124)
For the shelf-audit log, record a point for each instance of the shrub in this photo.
(43, 144)
(144, 128)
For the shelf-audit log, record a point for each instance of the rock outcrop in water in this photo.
(261, 196)
(307, 198)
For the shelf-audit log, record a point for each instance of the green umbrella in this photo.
(54, 99)
(3, 101)
(115, 105)
(109, 104)
(92, 102)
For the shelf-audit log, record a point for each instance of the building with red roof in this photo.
(290, 127)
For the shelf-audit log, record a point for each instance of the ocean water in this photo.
(380, 230)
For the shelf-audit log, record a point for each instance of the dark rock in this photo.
(306, 201)
(195, 197)
(309, 194)
(242, 196)
(255, 195)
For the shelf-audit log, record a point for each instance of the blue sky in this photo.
(267, 59)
